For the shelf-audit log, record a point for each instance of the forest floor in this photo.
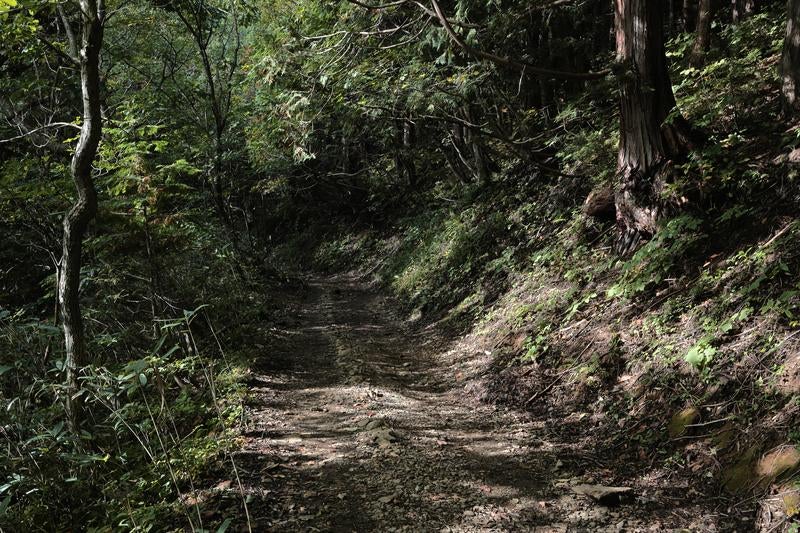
(362, 420)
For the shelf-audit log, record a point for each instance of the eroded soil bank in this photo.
(361, 420)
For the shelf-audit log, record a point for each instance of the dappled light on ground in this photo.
(358, 423)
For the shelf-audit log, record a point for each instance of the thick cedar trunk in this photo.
(83, 211)
(702, 39)
(647, 141)
(790, 63)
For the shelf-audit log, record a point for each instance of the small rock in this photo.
(374, 424)
(791, 503)
(386, 499)
(602, 494)
(224, 485)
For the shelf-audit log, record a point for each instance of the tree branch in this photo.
(40, 128)
(382, 6)
(523, 66)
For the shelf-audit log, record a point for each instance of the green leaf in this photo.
(700, 355)
(225, 525)
(4, 505)
(56, 431)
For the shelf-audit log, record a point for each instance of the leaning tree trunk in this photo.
(790, 63)
(647, 140)
(83, 211)
(702, 39)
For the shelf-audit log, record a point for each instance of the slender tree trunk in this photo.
(408, 158)
(647, 140)
(790, 62)
(702, 40)
(689, 14)
(741, 9)
(77, 219)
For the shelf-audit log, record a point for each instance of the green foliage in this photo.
(350, 137)
(657, 259)
(150, 440)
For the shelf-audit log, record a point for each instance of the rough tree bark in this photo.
(648, 141)
(77, 219)
(702, 39)
(790, 62)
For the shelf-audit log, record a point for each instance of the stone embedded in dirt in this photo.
(791, 503)
(385, 437)
(602, 494)
(224, 485)
(680, 421)
(723, 437)
(387, 499)
(740, 476)
(789, 380)
(375, 423)
(748, 473)
(783, 460)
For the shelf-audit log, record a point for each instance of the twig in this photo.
(40, 128)
(560, 375)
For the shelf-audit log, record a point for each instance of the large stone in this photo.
(750, 472)
(680, 421)
(724, 436)
(741, 476)
(783, 460)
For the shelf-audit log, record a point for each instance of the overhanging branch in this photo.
(522, 66)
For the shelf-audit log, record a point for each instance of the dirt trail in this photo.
(360, 423)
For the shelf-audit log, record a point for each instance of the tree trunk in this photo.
(702, 40)
(409, 138)
(647, 140)
(689, 14)
(741, 9)
(790, 62)
(83, 211)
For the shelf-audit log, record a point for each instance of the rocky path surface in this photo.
(360, 422)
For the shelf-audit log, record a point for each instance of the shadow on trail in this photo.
(356, 423)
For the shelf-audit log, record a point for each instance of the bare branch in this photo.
(383, 6)
(40, 128)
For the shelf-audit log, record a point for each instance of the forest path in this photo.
(358, 422)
